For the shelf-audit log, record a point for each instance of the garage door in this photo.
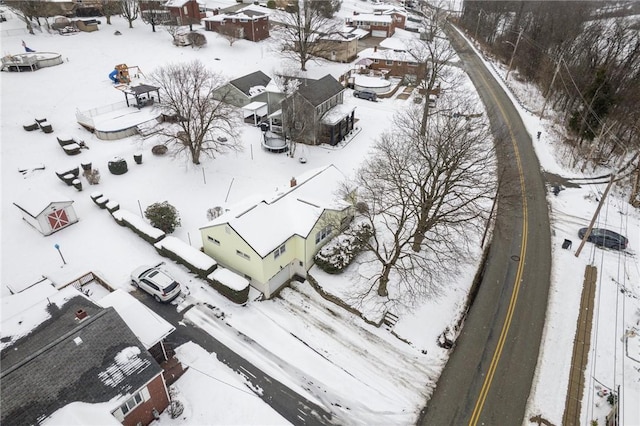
(278, 280)
(378, 33)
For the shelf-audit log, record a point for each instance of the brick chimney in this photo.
(293, 182)
(81, 314)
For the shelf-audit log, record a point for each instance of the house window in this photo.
(243, 20)
(323, 234)
(243, 255)
(280, 250)
(213, 240)
(413, 64)
(376, 61)
(388, 62)
(132, 403)
(186, 11)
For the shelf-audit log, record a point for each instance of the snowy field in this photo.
(326, 354)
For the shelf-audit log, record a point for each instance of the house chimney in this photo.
(293, 182)
(81, 314)
(375, 48)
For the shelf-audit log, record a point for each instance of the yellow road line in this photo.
(484, 391)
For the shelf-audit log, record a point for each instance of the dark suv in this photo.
(365, 94)
(605, 238)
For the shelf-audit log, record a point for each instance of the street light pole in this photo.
(57, 246)
(506, 78)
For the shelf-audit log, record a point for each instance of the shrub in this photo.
(118, 166)
(336, 255)
(159, 150)
(271, 4)
(163, 216)
(196, 39)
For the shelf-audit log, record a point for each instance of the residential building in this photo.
(315, 113)
(394, 63)
(65, 356)
(271, 239)
(247, 23)
(244, 90)
(382, 23)
(185, 12)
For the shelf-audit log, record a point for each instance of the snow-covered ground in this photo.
(319, 350)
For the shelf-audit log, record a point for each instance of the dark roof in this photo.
(318, 91)
(142, 89)
(65, 360)
(245, 83)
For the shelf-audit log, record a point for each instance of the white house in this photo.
(270, 239)
(45, 211)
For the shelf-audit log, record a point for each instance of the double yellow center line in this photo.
(486, 386)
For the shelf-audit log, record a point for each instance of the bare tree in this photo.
(129, 9)
(433, 55)
(303, 25)
(110, 8)
(230, 32)
(423, 197)
(153, 13)
(205, 125)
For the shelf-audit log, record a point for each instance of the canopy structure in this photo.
(141, 95)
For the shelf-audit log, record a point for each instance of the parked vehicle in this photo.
(156, 282)
(605, 238)
(365, 94)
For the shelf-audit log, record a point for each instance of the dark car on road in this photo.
(605, 238)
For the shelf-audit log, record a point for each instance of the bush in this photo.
(159, 150)
(336, 255)
(163, 216)
(118, 166)
(196, 39)
(271, 4)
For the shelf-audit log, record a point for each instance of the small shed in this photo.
(46, 212)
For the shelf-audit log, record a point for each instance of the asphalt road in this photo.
(290, 405)
(488, 377)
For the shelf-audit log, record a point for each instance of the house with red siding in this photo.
(185, 12)
(247, 23)
(66, 358)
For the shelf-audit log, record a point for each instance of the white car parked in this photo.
(156, 282)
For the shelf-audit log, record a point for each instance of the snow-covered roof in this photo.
(149, 327)
(176, 3)
(266, 224)
(33, 201)
(337, 113)
(84, 413)
(387, 55)
(26, 298)
(372, 17)
(246, 13)
(398, 41)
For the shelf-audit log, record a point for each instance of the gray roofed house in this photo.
(67, 349)
(244, 90)
(315, 112)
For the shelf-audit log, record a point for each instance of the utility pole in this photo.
(553, 79)
(595, 215)
(506, 78)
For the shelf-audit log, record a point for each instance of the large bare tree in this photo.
(303, 24)
(204, 125)
(424, 195)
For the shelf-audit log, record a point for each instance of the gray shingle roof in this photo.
(245, 83)
(318, 91)
(65, 360)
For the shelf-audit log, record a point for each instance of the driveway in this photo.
(287, 403)
(488, 377)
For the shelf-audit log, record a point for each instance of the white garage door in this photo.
(278, 280)
(378, 33)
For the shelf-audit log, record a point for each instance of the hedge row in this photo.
(138, 225)
(182, 253)
(229, 284)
